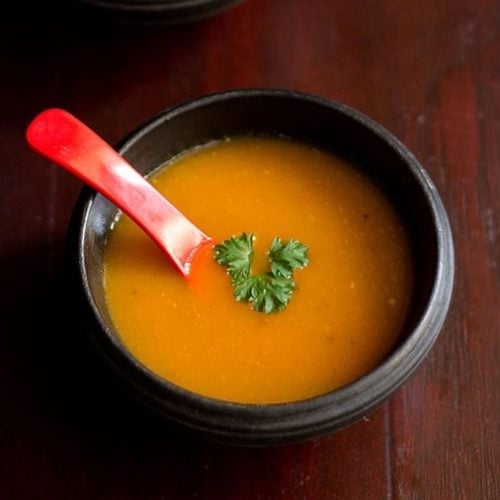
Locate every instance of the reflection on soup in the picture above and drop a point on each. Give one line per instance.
(347, 309)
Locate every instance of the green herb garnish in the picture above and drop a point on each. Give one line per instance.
(267, 292)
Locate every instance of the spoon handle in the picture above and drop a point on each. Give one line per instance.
(65, 140)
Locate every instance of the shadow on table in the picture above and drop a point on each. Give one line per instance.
(111, 74)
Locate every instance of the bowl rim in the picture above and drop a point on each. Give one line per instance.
(161, 6)
(325, 412)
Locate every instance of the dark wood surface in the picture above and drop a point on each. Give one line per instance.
(429, 71)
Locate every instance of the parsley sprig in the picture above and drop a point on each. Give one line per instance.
(267, 292)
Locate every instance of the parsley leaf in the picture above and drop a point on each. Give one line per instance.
(236, 255)
(267, 292)
(286, 257)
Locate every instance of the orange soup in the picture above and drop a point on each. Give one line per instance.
(349, 304)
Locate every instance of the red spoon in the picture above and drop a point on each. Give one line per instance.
(65, 140)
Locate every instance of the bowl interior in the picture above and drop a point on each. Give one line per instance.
(332, 128)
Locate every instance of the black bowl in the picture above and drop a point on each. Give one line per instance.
(333, 127)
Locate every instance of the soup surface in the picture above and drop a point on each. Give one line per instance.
(346, 311)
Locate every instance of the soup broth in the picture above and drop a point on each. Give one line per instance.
(349, 304)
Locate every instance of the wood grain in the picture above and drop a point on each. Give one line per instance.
(429, 71)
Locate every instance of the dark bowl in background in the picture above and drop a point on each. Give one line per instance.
(333, 127)
(155, 11)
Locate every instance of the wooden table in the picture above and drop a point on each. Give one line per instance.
(429, 71)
